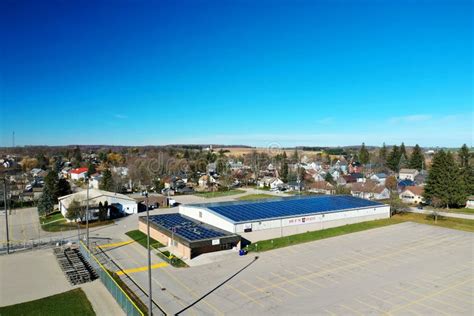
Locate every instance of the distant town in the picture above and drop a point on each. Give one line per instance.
(43, 176)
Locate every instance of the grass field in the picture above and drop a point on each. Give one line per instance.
(140, 238)
(253, 197)
(469, 211)
(454, 223)
(210, 195)
(63, 225)
(74, 302)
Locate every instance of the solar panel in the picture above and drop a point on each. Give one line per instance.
(253, 211)
(185, 227)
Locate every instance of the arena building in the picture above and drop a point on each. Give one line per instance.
(259, 220)
(201, 228)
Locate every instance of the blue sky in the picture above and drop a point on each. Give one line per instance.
(237, 72)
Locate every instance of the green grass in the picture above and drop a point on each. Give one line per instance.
(74, 302)
(453, 223)
(469, 211)
(252, 197)
(447, 222)
(63, 225)
(140, 238)
(210, 195)
(45, 220)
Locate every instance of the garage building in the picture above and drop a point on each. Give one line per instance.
(266, 219)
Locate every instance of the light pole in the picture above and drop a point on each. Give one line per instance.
(87, 213)
(6, 212)
(150, 310)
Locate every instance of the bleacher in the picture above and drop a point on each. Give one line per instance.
(75, 267)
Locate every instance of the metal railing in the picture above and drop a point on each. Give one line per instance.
(25, 245)
(125, 302)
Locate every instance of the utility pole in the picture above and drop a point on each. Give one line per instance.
(87, 213)
(6, 212)
(150, 306)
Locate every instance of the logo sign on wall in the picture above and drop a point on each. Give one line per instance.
(216, 242)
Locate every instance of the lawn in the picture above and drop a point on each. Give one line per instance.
(210, 195)
(469, 211)
(63, 225)
(140, 238)
(252, 197)
(454, 223)
(74, 302)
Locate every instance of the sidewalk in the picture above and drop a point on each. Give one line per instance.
(445, 214)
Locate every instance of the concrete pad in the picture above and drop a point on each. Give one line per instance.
(29, 276)
(101, 300)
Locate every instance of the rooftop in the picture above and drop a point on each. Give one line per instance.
(186, 228)
(238, 212)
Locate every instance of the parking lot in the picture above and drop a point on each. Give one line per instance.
(401, 269)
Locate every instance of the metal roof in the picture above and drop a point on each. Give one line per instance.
(241, 212)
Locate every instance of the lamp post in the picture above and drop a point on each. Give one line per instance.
(6, 212)
(87, 212)
(150, 310)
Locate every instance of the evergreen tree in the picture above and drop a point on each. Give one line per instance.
(62, 188)
(103, 211)
(91, 169)
(383, 155)
(463, 155)
(364, 156)
(445, 183)
(107, 182)
(48, 198)
(295, 157)
(393, 159)
(329, 178)
(417, 160)
(403, 151)
(284, 171)
(77, 156)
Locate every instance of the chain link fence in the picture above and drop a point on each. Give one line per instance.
(125, 302)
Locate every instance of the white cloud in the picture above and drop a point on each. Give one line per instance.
(120, 116)
(410, 118)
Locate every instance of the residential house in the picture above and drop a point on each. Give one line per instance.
(35, 172)
(405, 183)
(271, 182)
(78, 173)
(118, 203)
(322, 187)
(412, 195)
(95, 180)
(470, 202)
(407, 174)
(379, 178)
(369, 190)
(206, 181)
(355, 167)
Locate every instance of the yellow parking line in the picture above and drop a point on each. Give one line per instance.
(291, 281)
(431, 299)
(425, 297)
(370, 306)
(260, 290)
(117, 244)
(141, 269)
(156, 281)
(245, 295)
(277, 286)
(353, 311)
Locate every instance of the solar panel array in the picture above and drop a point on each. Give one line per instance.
(246, 212)
(184, 227)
